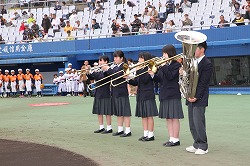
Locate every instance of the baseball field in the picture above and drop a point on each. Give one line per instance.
(70, 127)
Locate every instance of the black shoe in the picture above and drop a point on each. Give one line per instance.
(170, 144)
(164, 144)
(107, 131)
(142, 138)
(149, 139)
(99, 131)
(126, 135)
(118, 133)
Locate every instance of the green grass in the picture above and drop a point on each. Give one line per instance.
(71, 127)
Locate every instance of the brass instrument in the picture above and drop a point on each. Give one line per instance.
(127, 70)
(189, 78)
(92, 69)
(152, 64)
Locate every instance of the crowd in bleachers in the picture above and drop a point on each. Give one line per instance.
(114, 18)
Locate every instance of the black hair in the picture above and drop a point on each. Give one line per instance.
(145, 55)
(104, 58)
(172, 22)
(130, 60)
(94, 19)
(203, 45)
(55, 75)
(170, 50)
(119, 53)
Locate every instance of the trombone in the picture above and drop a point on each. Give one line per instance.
(92, 69)
(125, 67)
(152, 64)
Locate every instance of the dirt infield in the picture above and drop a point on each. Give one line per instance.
(30, 154)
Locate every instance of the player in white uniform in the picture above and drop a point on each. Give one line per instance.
(61, 84)
(75, 83)
(69, 80)
(6, 79)
(21, 85)
(13, 81)
(28, 82)
(1, 83)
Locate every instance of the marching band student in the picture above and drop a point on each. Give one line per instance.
(13, 80)
(119, 96)
(6, 79)
(28, 82)
(102, 101)
(1, 83)
(38, 81)
(170, 96)
(61, 84)
(145, 106)
(21, 85)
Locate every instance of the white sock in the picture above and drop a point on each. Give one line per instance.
(101, 127)
(145, 133)
(127, 130)
(109, 127)
(120, 129)
(175, 140)
(171, 139)
(150, 134)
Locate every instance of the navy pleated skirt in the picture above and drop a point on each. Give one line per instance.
(102, 106)
(171, 109)
(146, 108)
(121, 106)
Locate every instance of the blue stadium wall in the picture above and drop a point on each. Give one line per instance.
(226, 42)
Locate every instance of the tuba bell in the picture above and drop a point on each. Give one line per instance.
(189, 78)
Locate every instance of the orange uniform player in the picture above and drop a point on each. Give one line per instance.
(38, 81)
(6, 79)
(28, 82)
(1, 83)
(13, 80)
(21, 85)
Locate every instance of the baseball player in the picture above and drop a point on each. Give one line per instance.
(38, 81)
(6, 79)
(21, 85)
(13, 80)
(61, 84)
(28, 82)
(1, 84)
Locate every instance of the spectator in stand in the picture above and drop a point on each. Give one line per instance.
(153, 12)
(178, 8)
(186, 4)
(169, 26)
(92, 6)
(237, 9)
(247, 14)
(27, 33)
(143, 30)
(62, 23)
(99, 8)
(149, 5)
(25, 15)
(120, 15)
(3, 11)
(35, 27)
(78, 26)
(117, 2)
(159, 26)
(69, 37)
(86, 28)
(3, 20)
(124, 28)
(55, 23)
(114, 26)
(238, 20)
(16, 16)
(73, 16)
(223, 23)
(2, 40)
(68, 27)
(244, 6)
(64, 6)
(57, 6)
(169, 7)
(31, 18)
(22, 27)
(232, 3)
(136, 24)
(151, 23)
(46, 24)
(187, 21)
(95, 25)
(146, 12)
(130, 4)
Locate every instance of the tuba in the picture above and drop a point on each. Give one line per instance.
(189, 78)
